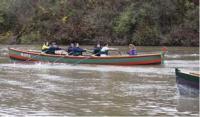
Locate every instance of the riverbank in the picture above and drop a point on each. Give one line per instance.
(118, 22)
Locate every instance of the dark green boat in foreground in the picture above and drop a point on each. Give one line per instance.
(187, 82)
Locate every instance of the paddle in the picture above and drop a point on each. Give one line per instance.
(64, 56)
(82, 60)
(37, 56)
(85, 58)
(92, 56)
(58, 59)
(116, 49)
(61, 57)
(69, 54)
(119, 52)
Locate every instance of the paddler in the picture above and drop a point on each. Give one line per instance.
(105, 49)
(77, 51)
(70, 49)
(132, 50)
(45, 46)
(53, 48)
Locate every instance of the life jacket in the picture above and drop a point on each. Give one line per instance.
(45, 47)
(97, 51)
(78, 51)
(132, 52)
(70, 50)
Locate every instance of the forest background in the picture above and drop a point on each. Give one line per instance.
(118, 22)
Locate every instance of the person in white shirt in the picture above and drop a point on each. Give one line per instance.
(105, 49)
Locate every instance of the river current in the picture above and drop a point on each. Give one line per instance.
(100, 90)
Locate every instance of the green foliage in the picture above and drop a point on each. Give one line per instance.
(146, 35)
(4, 38)
(30, 38)
(125, 21)
(142, 22)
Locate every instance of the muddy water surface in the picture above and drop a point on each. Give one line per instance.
(64, 89)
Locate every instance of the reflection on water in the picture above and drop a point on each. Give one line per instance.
(187, 91)
(64, 89)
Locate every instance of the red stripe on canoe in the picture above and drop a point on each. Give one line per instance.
(21, 57)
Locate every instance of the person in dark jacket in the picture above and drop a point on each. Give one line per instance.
(97, 50)
(70, 49)
(53, 47)
(77, 51)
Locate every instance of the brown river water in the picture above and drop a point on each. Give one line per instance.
(86, 90)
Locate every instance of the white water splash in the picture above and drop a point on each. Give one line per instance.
(166, 69)
(181, 55)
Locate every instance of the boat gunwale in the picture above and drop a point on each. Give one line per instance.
(186, 73)
(83, 57)
(158, 61)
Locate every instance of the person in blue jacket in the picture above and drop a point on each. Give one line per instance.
(77, 51)
(132, 50)
(53, 47)
(70, 49)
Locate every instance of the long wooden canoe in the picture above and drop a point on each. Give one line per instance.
(145, 59)
(187, 78)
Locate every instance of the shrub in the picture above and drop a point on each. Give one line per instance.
(30, 38)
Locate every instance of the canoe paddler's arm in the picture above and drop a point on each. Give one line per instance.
(115, 49)
(87, 50)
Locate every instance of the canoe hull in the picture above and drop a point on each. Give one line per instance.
(189, 80)
(28, 56)
(187, 84)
